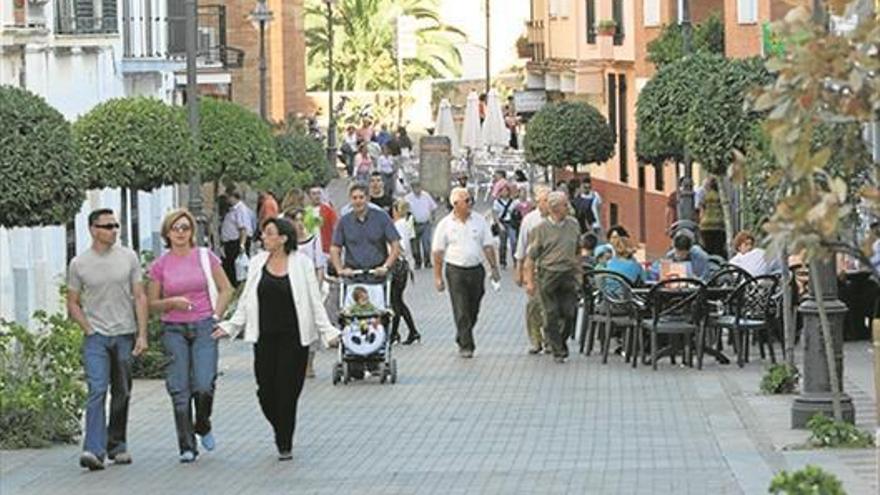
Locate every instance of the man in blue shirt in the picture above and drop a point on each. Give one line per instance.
(368, 236)
(684, 250)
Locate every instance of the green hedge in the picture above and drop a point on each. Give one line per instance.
(42, 182)
(41, 382)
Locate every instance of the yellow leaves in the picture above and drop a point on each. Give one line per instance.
(838, 7)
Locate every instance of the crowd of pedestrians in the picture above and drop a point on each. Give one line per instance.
(299, 251)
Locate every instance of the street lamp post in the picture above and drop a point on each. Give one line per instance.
(488, 52)
(331, 116)
(261, 16)
(192, 106)
(686, 209)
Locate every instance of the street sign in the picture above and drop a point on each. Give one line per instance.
(435, 154)
(405, 39)
(529, 101)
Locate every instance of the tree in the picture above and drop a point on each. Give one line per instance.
(718, 122)
(364, 37)
(134, 143)
(42, 182)
(822, 79)
(235, 145)
(708, 37)
(665, 103)
(568, 133)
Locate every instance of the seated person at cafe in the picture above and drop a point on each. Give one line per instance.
(685, 250)
(588, 244)
(624, 261)
(603, 254)
(748, 257)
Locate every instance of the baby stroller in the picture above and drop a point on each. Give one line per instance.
(365, 347)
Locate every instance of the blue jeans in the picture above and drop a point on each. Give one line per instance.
(107, 363)
(190, 376)
(422, 240)
(506, 237)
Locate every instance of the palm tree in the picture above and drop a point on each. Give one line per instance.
(363, 51)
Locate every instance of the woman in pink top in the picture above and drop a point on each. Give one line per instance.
(189, 287)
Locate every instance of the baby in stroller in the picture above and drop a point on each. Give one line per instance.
(365, 349)
(365, 329)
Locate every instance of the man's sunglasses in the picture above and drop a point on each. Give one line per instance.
(106, 226)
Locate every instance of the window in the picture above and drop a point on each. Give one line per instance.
(559, 8)
(651, 11)
(612, 104)
(613, 214)
(659, 179)
(591, 21)
(747, 11)
(85, 16)
(617, 15)
(621, 126)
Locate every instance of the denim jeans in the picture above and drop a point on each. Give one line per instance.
(190, 376)
(421, 244)
(107, 363)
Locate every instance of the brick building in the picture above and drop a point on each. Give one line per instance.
(285, 54)
(744, 21)
(572, 60)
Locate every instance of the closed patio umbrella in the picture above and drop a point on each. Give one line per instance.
(495, 132)
(471, 135)
(445, 126)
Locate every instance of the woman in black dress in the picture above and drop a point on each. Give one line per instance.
(282, 313)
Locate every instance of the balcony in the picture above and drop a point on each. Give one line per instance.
(96, 17)
(154, 37)
(536, 39)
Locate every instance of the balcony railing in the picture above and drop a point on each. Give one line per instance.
(536, 39)
(86, 17)
(157, 29)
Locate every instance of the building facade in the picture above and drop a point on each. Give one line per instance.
(77, 54)
(285, 57)
(572, 59)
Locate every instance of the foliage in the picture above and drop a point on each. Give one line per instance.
(363, 46)
(781, 378)
(823, 79)
(664, 106)
(139, 143)
(827, 432)
(152, 363)
(235, 145)
(719, 123)
(568, 133)
(707, 37)
(42, 183)
(41, 386)
(811, 480)
(606, 25)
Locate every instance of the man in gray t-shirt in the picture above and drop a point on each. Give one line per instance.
(106, 298)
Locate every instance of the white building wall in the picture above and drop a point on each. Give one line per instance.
(73, 80)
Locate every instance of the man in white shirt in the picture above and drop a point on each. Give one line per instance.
(534, 312)
(462, 240)
(594, 202)
(235, 233)
(422, 207)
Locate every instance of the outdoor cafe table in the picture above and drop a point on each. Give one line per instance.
(712, 294)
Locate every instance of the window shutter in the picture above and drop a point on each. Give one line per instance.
(108, 16)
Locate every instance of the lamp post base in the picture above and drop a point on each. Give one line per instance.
(806, 406)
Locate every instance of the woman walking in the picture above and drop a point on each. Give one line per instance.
(309, 245)
(281, 312)
(190, 289)
(399, 274)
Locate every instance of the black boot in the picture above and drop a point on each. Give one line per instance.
(412, 337)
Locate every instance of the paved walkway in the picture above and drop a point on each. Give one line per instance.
(504, 422)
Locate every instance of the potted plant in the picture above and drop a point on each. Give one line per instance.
(523, 47)
(607, 27)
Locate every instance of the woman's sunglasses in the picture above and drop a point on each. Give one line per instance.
(181, 228)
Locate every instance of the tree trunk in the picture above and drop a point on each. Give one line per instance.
(726, 213)
(70, 235)
(829, 344)
(788, 316)
(135, 222)
(123, 215)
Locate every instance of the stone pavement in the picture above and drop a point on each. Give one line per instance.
(503, 422)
